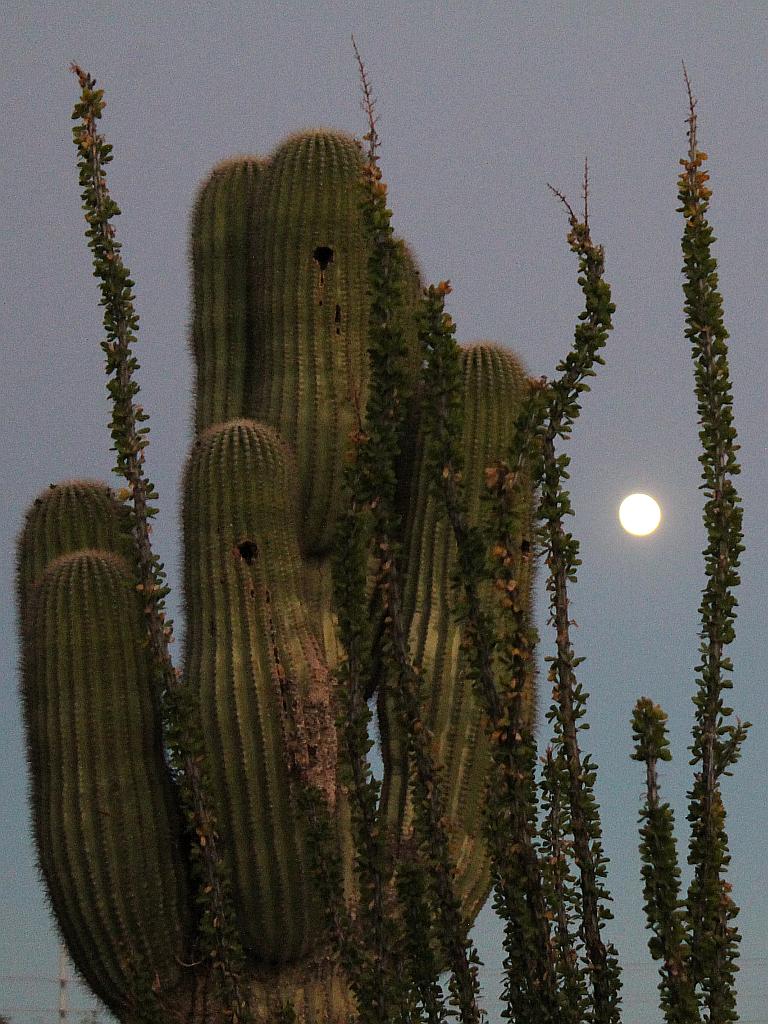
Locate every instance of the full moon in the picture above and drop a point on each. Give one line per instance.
(639, 514)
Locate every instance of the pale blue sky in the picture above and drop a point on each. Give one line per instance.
(479, 109)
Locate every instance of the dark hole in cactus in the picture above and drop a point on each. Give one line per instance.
(323, 255)
(248, 551)
(525, 547)
(337, 318)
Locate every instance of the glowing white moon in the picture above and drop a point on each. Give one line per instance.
(639, 514)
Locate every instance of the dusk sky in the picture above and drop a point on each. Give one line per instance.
(479, 109)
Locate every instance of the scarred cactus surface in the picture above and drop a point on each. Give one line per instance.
(279, 336)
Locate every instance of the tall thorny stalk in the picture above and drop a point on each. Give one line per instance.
(510, 818)
(531, 962)
(372, 482)
(661, 873)
(534, 960)
(562, 889)
(696, 940)
(561, 552)
(218, 937)
(716, 744)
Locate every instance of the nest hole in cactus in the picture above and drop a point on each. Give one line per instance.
(323, 255)
(248, 551)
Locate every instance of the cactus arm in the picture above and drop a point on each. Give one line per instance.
(68, 517)
(307, 281)
(310, 315)
(223, 313)
(306, 369)
(80, 704)
(264, 689)
(492, 390)
(107, 827)
(494, 387)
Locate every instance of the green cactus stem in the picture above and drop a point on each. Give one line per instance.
(561, 551)
(68, 517)
(105, 818)
(493, 385)
(264, 690)
(311, 314)
(222, 284)
(373, 483)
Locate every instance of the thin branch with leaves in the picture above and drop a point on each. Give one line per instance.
(181, 726)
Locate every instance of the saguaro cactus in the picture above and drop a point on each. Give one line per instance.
(279, 335)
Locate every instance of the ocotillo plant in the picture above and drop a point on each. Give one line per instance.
(695, 939)
(557, 903)
(220, 867)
